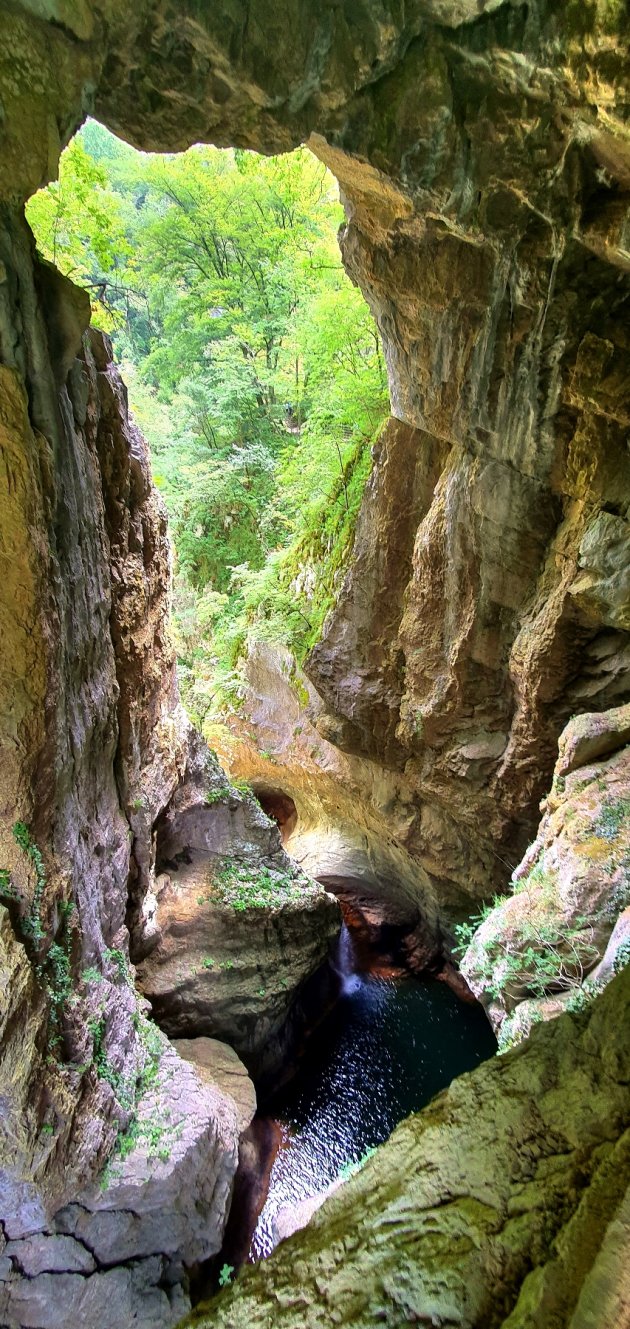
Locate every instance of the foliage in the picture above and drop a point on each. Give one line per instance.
(550, 957)
(32, 923)
(464, 932)
(226, 1275)
(104, 1069)
(614, 813)
(581, 997)
(254, 369)
(245, 888)
(219, 795)
(119, 959)
(78, 226)
(622, 957)
(51, 964)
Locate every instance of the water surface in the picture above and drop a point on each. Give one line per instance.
(389, 1045)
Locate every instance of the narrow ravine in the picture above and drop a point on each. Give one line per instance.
(392, 1041)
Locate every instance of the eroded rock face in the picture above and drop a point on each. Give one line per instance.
(67, 687)
(563, 931)
(235, 928)
(353, 818)
(502, 1204)
(483, 157)
(116, 1253)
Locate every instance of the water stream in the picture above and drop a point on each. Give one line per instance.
(389, 1045)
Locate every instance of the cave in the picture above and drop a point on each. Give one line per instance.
(474, 665)
(280, 807)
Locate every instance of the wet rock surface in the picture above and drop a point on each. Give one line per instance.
(503, 1203)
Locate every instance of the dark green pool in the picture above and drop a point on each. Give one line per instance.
(389, 1046)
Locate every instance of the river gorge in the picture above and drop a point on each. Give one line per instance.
(320, 1016)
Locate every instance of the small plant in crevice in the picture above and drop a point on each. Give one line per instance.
(51, 965)
(464, 932)
(92, 975)
(7, 889)
(582, 997)
(507, 1037)
(118, 957)
(226, 1275)
(104, 1069)
(219, 795)
(31, 921)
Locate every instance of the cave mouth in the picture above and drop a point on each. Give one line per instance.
(279, 807)
(253, 367)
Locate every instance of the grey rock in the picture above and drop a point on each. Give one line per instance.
(50, 1254)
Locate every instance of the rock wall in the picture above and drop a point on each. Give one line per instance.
(94, 745)
(484, 163)
(565, 930)
(483, 155)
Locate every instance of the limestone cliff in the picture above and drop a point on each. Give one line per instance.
(484, 157)
(503, 1205)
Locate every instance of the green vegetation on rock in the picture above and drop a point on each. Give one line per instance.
(254, 369)
(262, 888)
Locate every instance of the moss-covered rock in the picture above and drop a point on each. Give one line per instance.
(570, 891)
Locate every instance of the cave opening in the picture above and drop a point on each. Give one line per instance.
(254, 413)
(279, 806)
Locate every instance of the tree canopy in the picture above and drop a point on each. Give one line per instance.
(254, 369)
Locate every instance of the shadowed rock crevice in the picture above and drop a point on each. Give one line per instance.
(280, 807)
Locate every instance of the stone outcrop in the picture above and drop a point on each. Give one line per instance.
(563, 931)
(483, 156)
(233, 929)
(502, 1204)
(117, 1252)
(218, 1066)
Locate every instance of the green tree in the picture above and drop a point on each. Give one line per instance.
(77, 223)
(254, 368)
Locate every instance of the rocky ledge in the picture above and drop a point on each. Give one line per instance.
(237, 944)
(565, 929)
(120, 1252)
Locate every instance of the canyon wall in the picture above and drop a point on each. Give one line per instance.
(484, 159)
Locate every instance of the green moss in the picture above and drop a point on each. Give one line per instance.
(245, 888)
(614, 814)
